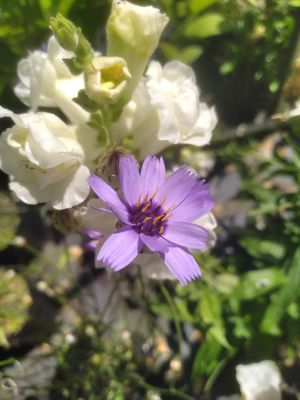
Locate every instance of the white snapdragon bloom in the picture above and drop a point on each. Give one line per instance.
(259, 381)
(106, 78)
(47, 160)
(133, 33)
(165, 109)
(45, 81)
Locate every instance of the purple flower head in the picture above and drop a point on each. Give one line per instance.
(157, 212)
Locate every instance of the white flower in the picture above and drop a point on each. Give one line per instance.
(106, 78)
(165, 109)
(47, 160)
(259, 381)
(45, 81)
(133, 33)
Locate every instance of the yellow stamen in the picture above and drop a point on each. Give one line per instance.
(166, 216)
(169, 209)
(161, 230)
(146, 219)
(154, 194)
(139, 200)
(163, 201)
(146, 207)
(157, 218)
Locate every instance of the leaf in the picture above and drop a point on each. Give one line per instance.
(9, 220)
(207, 357)
(288, 294)
(294, 3)
(196, 6)
(186, 55)
(256, 283)
(65, 6)
(211, 312)
(14, 302)
(257, 247)
(204, 26)
(9, 30)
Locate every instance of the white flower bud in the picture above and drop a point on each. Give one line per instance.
(133, 33)
(106, 79)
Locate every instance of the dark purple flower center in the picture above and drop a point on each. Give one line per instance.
(149, 217)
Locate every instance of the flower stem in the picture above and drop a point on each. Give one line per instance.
(174, 312)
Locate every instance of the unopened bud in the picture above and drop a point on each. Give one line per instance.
(106, 79)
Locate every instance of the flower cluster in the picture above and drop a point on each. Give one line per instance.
(104, 101)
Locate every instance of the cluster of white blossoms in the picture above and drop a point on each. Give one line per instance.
(99, 101)
(48, 158)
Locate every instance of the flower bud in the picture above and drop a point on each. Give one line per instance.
(133, 32)
(65, 32)
(106, 79)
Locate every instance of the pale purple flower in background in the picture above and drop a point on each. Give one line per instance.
(156, 212)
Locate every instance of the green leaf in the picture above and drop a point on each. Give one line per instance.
(196, 6)
(14, 302)
(10, 30)
(9, 220)
(207, 357)
(256, 283)
(294, 3)
(288, 294)
(187, 55)
(210, 309)
(258, 248)
(65, 6)
(203, 27)
(294, 122)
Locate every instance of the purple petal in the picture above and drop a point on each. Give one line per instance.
(176, 187)
(91, 245)
(155, 243)
(92, 233)
(120, 249)
(182, 264)
(129, 179)
(110, 197)
(187, 235)
(195, 205)
(153, 175)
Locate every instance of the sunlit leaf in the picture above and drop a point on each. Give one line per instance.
(289, 293)
(14, 302)
(207, 357)
(9, 220)
(256, 283)
(187, 55)
(204, 26)
(210, 309)
(197, 6)
(258, 247)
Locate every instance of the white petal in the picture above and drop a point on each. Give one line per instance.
(259, 381)
(153, 267)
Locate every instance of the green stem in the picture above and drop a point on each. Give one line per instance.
(174, 312)
(172, 392)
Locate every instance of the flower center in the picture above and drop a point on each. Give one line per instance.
(149, 217)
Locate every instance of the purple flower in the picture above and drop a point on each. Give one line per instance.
(157, 212)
